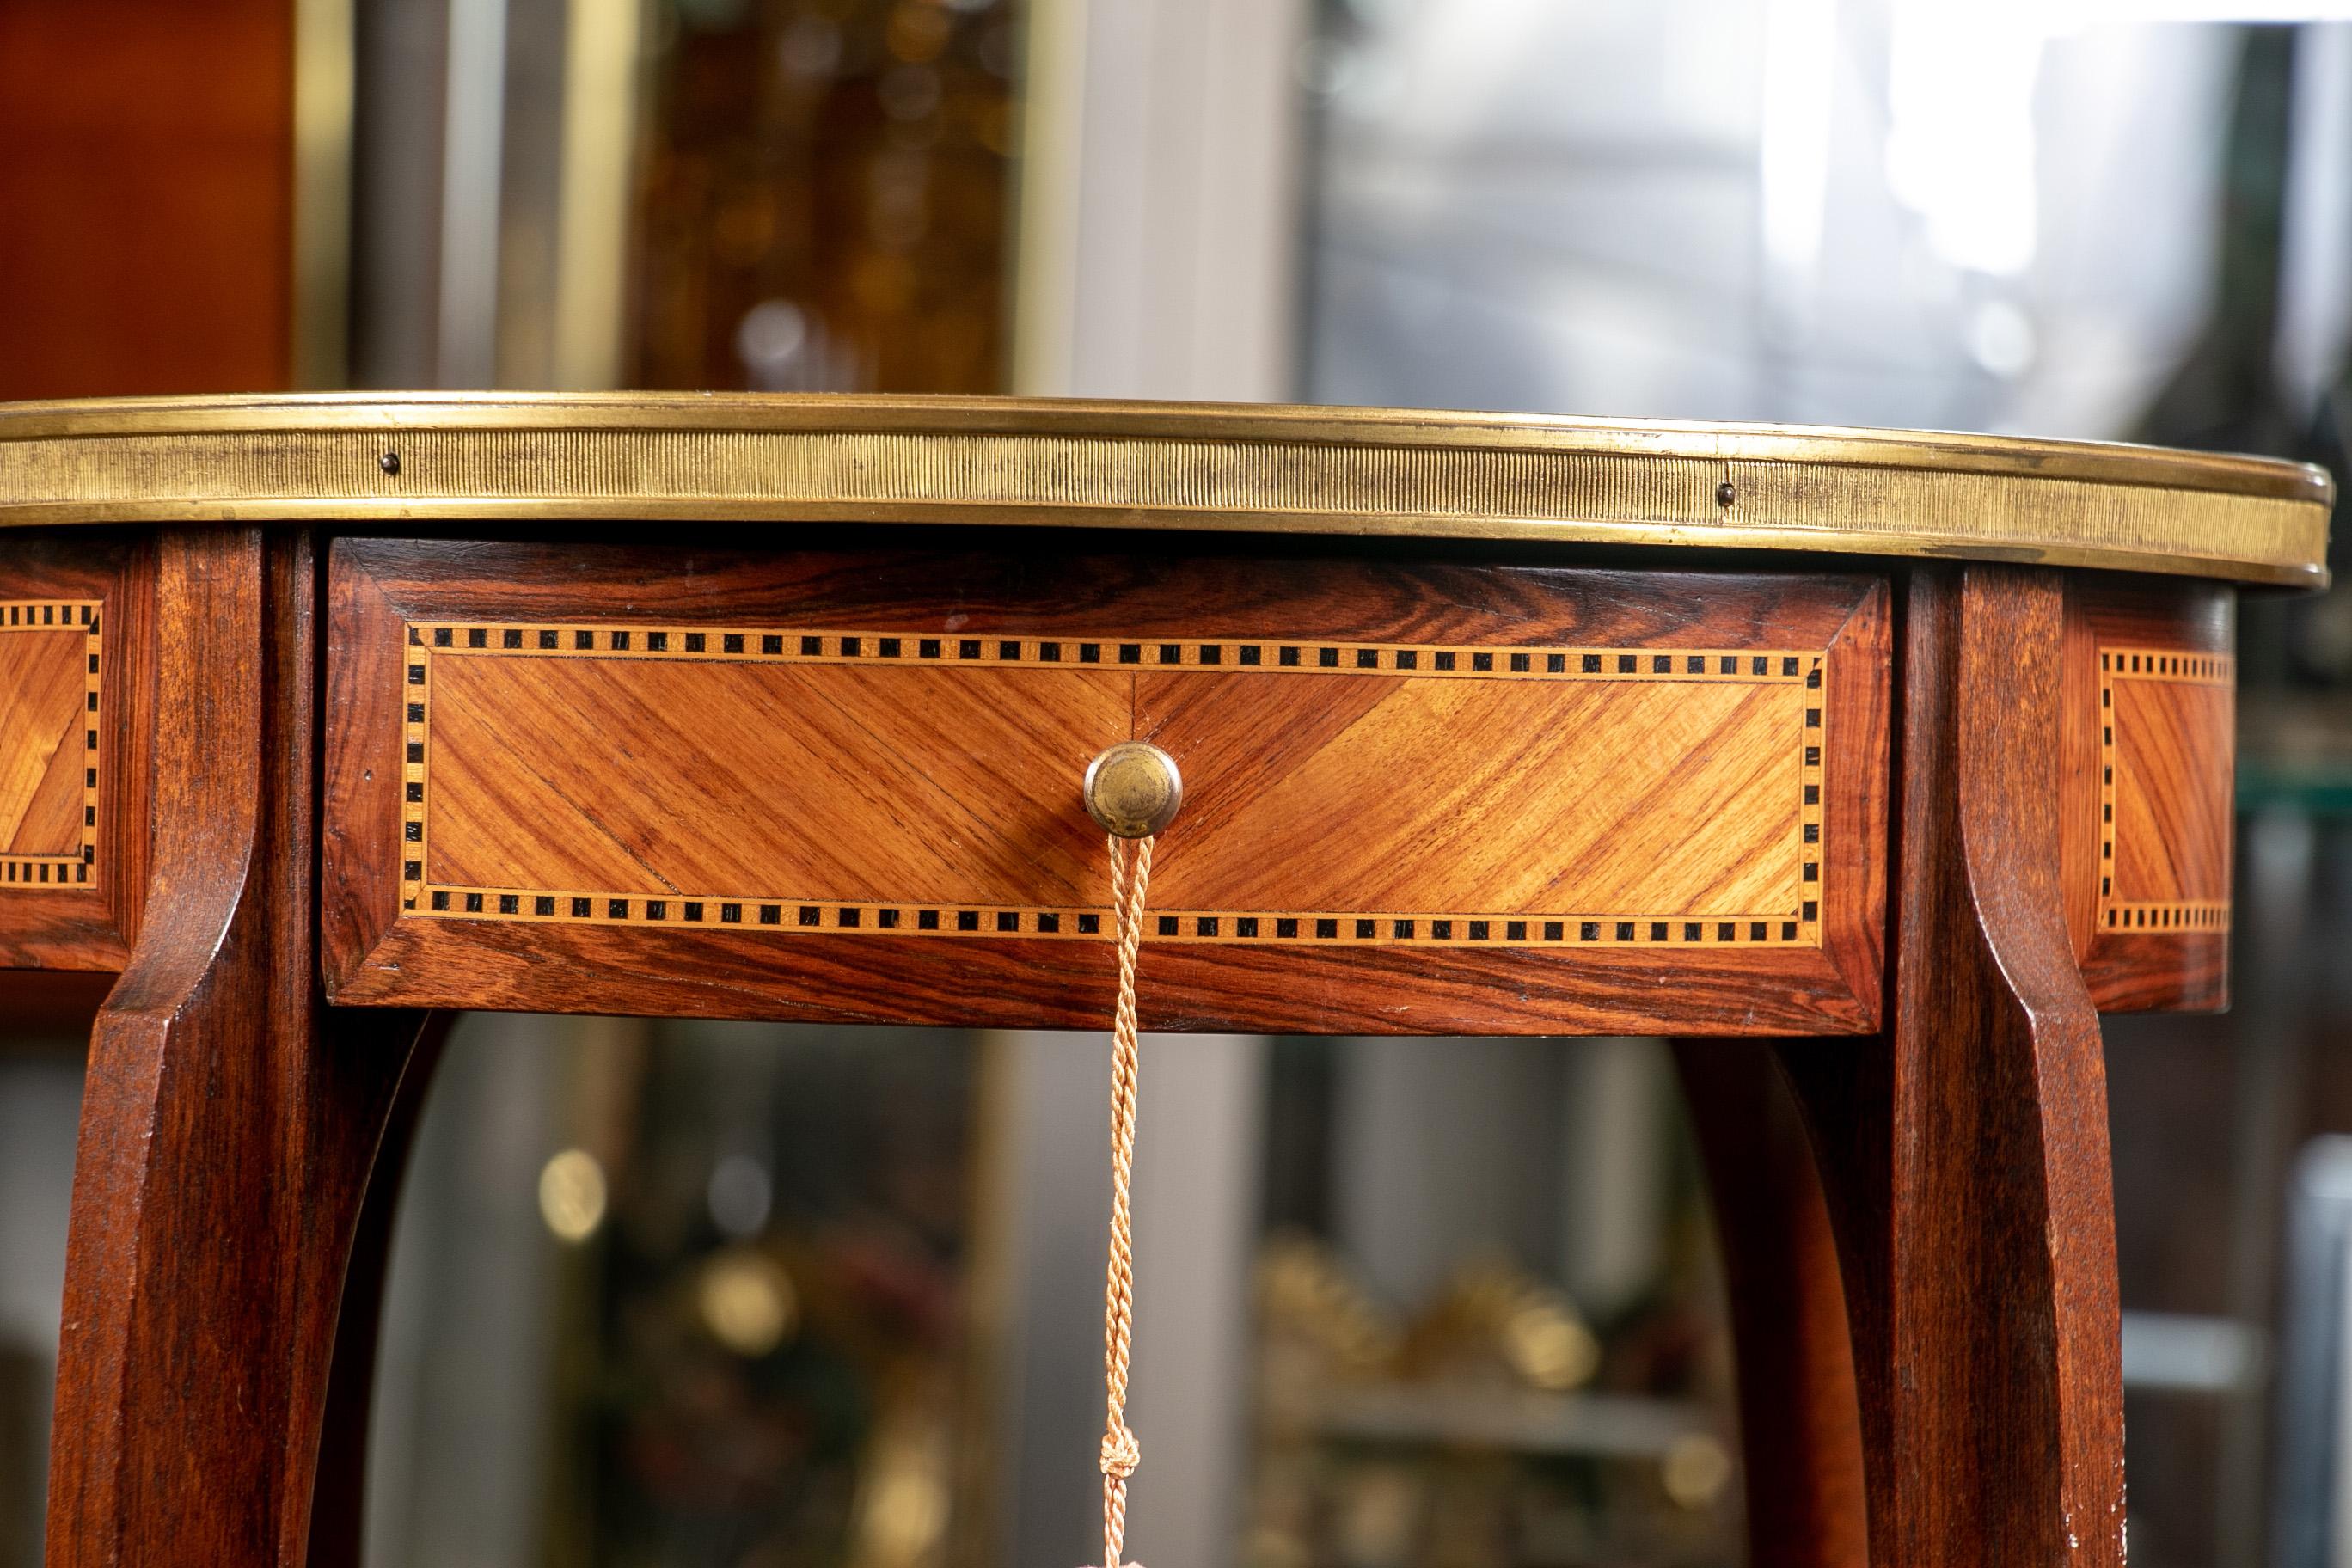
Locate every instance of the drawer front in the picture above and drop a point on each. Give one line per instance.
(1420, 796)
(2150, 689)
(72, 817)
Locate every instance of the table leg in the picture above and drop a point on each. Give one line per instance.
(1964, 1153)
(338, 1493)
(1799, 1426)
(230, 1121)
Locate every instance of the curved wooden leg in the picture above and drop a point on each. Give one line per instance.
(1799, 1426)
(229, 1121)
(1965, 1155)
(339, 1495)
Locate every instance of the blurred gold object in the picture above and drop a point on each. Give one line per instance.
(1695, 1470)
(902, 1503)
(746, 1301)
(572, 1194)
(721, 458)
(1495, 1318)
(1549, 1346)
(1306, 1296)
(1381, 1515)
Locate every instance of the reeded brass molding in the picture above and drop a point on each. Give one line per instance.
(749, 459)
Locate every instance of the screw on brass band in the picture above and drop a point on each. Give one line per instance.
(1004, 462)
(805, 913)
(79, 868)
(2146, 917)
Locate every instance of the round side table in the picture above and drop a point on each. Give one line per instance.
(1869, 767)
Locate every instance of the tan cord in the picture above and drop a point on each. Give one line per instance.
(1121, 1454)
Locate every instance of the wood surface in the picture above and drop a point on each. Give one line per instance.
(148, 244)
(1799, 1421)
(49, 660)
(47, 1008)
(211, 1384)
(1421, 797)
(75, 702)
(339, 1489)
(2150, 760)
(1965, 1159)
(229, 1122)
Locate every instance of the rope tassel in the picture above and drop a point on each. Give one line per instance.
(1131, 873)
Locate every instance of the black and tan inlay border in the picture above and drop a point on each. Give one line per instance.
(1236, 655)
(40, 873)
(428, 641)
(2165, 665)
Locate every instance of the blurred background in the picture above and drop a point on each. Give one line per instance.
(717, 1295)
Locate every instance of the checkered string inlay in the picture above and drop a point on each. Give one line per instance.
(2129, 664)
(79, 867)
(770, 912)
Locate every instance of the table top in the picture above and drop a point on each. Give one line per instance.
(756, 459)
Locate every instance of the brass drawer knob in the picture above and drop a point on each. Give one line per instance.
(1133, 789)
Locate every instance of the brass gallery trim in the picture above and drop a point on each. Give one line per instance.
(78, 869)
(1001, 462)
(422, 896)
(2140, 917)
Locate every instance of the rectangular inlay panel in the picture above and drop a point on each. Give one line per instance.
(1424, 793)
(50, 658)
(2166, 720)
(793, 782)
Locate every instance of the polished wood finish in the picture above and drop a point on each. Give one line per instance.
(2149, 754)
(44, 1006)
(48, 742)
(2008, 782)
(227, 1126)
(1965, 1160)
(148, 245)
(1801, 1424)
(339, 1489)
(75, 704)
(1407, 783)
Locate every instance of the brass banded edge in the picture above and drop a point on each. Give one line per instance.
(1295, 424)
(2302, 570)
(2121, 509)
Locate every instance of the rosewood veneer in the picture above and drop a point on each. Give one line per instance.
(1870, 767)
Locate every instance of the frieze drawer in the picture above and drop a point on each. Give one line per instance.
(1546, 799)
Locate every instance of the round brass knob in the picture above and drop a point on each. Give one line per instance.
(1133, 789)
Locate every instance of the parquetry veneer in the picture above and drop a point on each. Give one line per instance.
(1889, 759)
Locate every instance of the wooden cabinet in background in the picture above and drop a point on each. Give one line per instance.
(147, 171)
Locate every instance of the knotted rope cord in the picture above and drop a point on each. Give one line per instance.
(1130, 871)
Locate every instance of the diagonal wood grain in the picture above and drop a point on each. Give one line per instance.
(556, 772)
(676, 777)
(1430, 794)
(52, 823)
(500, 918)
(42, 686)
(2172, 791)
